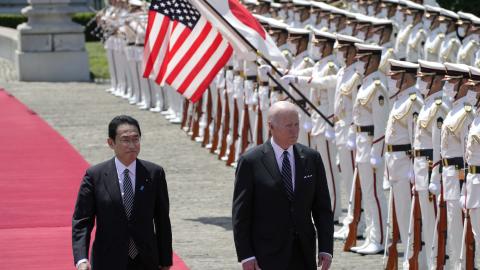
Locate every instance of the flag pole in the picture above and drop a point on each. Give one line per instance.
(307, 101)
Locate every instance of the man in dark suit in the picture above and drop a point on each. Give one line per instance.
(128, 197)
(280, 187)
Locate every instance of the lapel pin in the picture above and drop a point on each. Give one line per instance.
(146, 180)
(141, 188)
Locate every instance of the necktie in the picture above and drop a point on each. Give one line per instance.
(128, 203)
(287, 176)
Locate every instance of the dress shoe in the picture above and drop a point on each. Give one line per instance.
(371, 248)
(341, 234)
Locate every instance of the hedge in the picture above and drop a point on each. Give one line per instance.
(12, 20)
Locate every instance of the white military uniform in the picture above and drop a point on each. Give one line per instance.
(449, 48)
(432, 45)
(369, 112)
(454, 132)
(472, 188)
(466, 53)
(398, 163)
(415, 43)
(427, 162)
(348, 81)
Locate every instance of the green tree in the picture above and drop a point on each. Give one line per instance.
(470, 6)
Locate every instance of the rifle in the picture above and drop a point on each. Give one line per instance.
(196, 115)
(469, 243)
(231, 153)
(442, 232)
(417, 233)
(206, 134)
(245, 129)
(226, 128)
(218, 123)
(392, 262)
(184, 114)
(259, 124)
(356, 198)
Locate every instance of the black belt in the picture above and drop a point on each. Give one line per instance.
(455, 161)
(130, 43)
(276, 89)
(428, 153)
(230, 67)
(264, 83)
(368, 129)
(473, 169)
(251, 78)
(399, 147)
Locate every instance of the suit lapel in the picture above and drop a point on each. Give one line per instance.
(140, 186)
(270, 162)
(112, 185)
(299, 171)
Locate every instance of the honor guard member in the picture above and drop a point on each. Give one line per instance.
(451, 44)
(468, 28)
(321, 80)
(406, 103)
(363, 23)
(472, 188)
(418, 35)
(320, 15)
(298, 40)
(405, 28)
(301, 13)
(438, 27)
(369, 116)
(426, 153)
(350, 24)
(276, 11)
(263, 8)
(386, 9)
(348, 81)
(337, 19)
(454, 132)
(105, 21)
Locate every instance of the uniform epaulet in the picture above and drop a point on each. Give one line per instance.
(371, 91)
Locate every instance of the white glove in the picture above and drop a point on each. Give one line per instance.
(84, 266)
(375, 161)
(386, 184)
(264, 70)
(330, 135)
(351, 145)
(287, 79)
(411, 177)
(434, 188)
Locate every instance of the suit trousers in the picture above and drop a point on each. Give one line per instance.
(136, 264)
(297, 261)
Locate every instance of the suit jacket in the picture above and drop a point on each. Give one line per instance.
(265, 222)
(149, 225)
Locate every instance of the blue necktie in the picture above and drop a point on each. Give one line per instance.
(287, 176)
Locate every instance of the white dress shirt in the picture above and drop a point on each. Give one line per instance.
(279, 157)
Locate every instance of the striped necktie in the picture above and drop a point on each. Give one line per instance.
(128, 198)
(287, 176)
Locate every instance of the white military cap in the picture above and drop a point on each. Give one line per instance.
(276, 5)
(402, 66)
(322, 6)
(293, 31)
(378, 21)
(474, 73)
(344, 39)
(449, 14)
(414, 6)
(136, 3)
(367, 49)
(432, 9)
(390, 1)
(323, 35)
(429, 67)
(364, 18)
(265, 1)
(468, 17)
(457, 70)
(301, 3)
(338, 11)
(261, 19)
(251, 2)
(274, 23)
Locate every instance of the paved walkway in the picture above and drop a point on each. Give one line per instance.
(200, 186)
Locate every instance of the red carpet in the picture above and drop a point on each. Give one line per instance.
(40, 177)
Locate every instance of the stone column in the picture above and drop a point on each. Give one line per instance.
(50, 46)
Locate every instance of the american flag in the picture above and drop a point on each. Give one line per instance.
(182, 48)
